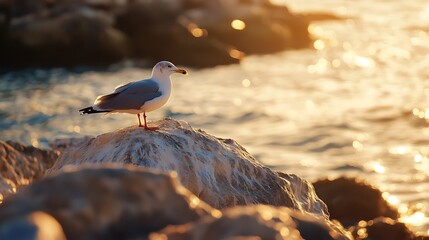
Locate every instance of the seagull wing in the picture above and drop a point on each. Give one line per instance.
(129, 96)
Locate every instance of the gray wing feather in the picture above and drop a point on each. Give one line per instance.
(129, 96)
(122, 87)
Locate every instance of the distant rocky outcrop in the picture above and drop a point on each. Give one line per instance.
(351, 200)
(127, 202)
(107, 203)
(218, 171)
(21, 165)
(190, 32)
(384, 229)
(361, 207)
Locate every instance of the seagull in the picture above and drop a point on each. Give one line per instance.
(140, 96)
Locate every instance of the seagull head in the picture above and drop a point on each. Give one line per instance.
(165, 69)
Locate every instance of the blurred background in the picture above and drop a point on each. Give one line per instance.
(316, 88)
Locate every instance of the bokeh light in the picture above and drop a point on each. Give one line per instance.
(238, 24)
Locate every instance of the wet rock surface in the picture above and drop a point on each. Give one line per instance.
(21, 165)
(107, 203)
(351, 200)
(218, 171)
(255, 222)
(194, 33)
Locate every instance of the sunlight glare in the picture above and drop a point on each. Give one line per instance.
(194, 202)
(378, 168)
(416, 219)
(313, 29)
(421, 113)
(393, 200)
(237, 24)
(246, 83)
(362, 233)
(216, 213)
(319, 44)
(364, 62)
(267, 215)
(336, 63)
(362, 223)
(237, 54)
(196, 31)
(418, 158)
(399, 150)
(357, 145)
(402, 209)
(284, 231)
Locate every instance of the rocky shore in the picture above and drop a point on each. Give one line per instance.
(197, 33)
(177, 183)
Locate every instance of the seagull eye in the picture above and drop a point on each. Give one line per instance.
(169, 66)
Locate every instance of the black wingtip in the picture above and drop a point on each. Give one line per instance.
(90, 110)
(86, 110)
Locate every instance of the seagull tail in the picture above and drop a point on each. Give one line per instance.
(90, 110)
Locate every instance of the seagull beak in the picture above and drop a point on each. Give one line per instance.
(182, 71)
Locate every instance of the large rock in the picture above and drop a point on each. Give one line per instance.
(107, 203)
(351, 200)
(21, 165)
(219, 171)
(255, 222)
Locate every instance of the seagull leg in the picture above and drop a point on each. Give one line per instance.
(145, 124)
(140, 123)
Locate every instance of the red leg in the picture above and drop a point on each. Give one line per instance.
(140, 123)
(145, 124)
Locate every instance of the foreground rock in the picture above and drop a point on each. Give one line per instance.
(21, 165)
(258, 222)
(189, 32)
(218, 171)
(133, 202)
(351, 200)
(107, 203)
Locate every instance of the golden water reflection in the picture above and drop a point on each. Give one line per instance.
(400, 150)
